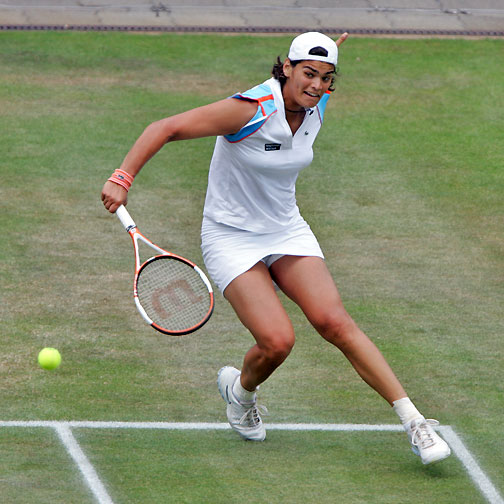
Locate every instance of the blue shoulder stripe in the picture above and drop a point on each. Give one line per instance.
(322, 105)
(265, 108)
(255, 93)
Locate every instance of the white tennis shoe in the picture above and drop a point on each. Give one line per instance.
(425, 442)
(245, 419)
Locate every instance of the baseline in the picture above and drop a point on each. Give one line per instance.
(64, 432)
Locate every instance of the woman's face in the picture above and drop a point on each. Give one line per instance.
(306, 82)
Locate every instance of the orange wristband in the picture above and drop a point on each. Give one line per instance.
(122, 178)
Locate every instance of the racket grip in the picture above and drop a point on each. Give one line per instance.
(125, 218)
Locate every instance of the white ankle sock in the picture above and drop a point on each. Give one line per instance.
(244, 396)
(405, 410)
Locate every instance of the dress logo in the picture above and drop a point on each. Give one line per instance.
(272, 146)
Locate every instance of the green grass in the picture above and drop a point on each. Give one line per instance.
(218, 467)
(405, 195)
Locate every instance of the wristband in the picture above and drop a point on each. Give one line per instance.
(122, 178)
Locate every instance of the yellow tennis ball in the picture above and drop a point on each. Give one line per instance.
(49, 358)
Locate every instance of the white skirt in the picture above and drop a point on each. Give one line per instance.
(228, 251)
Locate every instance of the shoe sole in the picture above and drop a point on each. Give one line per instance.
(434, 460)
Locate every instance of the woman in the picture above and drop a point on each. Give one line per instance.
(254, 239)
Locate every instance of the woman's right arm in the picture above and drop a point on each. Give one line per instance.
(220, 118)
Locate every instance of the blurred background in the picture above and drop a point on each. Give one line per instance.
(449, 17)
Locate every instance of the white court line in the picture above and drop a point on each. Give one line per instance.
(63, 429)
(477, 475)
(85, 467)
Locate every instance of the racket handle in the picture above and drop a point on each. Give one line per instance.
(125, 218)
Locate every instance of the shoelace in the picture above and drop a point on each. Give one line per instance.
(252, 417)
(421, 434)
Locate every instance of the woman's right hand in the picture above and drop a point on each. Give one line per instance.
(218, 118)
(113, 196)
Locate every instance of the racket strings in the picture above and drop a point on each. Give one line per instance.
(173, 294)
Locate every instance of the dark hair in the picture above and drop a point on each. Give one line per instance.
(318, 51)
(277, 72)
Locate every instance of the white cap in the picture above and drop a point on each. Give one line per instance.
(306, 42)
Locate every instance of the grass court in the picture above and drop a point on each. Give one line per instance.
(405, 196)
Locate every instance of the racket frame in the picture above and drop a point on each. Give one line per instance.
(136, 236)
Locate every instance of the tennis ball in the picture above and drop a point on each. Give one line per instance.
(49, 358)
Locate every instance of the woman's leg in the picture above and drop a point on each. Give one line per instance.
(253, 297)
(256, 303)
(307, 281)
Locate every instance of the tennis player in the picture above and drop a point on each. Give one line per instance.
(254, 239)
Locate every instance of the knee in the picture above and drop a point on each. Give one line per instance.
(338, 328)
(278, 347)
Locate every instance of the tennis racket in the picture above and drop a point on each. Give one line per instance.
(171, 293)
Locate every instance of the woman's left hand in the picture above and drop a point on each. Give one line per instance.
(342, 39)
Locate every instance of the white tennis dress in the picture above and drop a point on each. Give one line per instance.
(250, 211)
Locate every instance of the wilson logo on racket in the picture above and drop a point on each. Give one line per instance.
(171, 293)
(176, 300)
